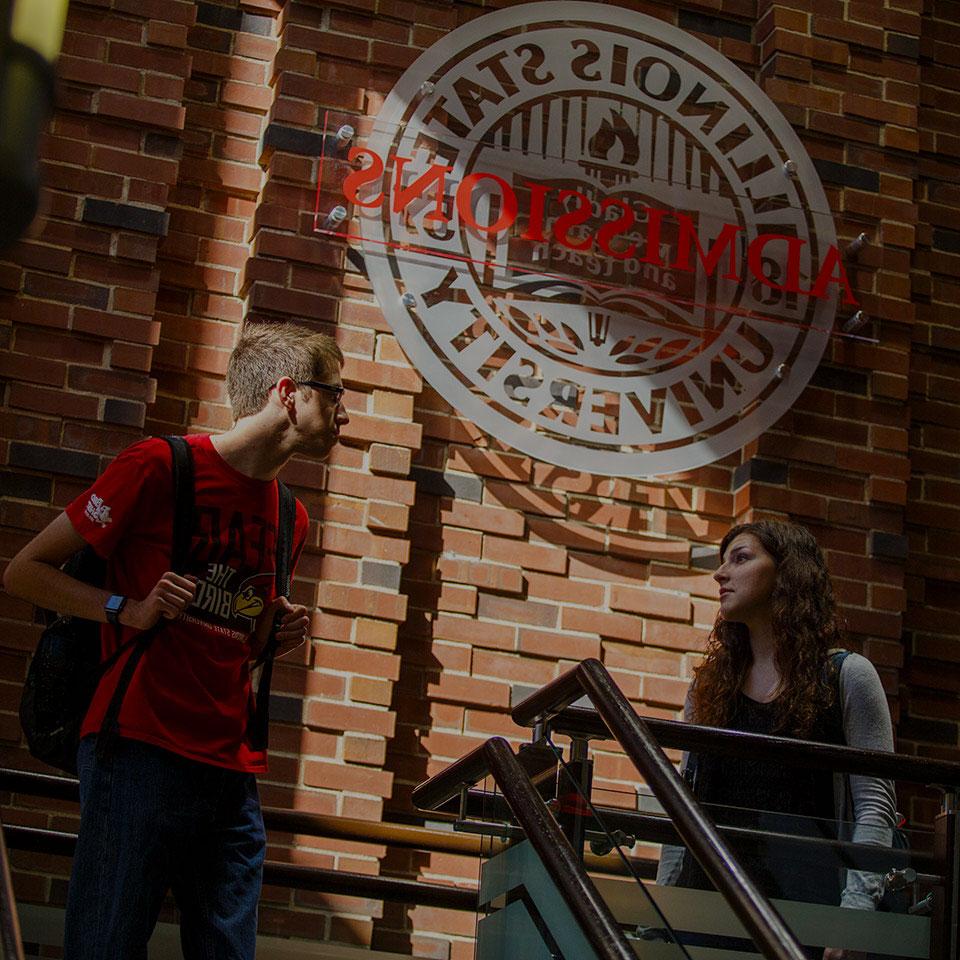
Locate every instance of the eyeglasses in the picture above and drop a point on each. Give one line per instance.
(335, 392)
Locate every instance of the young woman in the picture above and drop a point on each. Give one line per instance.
(772, 667)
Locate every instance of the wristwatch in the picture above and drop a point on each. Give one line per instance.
(112, 608)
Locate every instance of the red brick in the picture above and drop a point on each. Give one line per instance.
(525, 498)
(21, 367)
(460, 513)
(387, 516)
(469, 690)
(827, 51)
(88, 182)
(303, 38)
(612, 569)
(96, 380)
(390, 460)
(236, 122)
(49, 343)
(674, 636)
(161, 87)
(485, 576)
(476, 632)
(513, 668)
(375, 603)
(58, 402)
(563, 589)
(882, 110)
(783, 92)
(135, 165)
(378, 488)
(559, 646)
(98, 74)
(364, 750)
(296, 304)
(131, 356)
(247, 95)
(650, 603)
(617, 625)
(252, 46)
(166, 34)
(150, 112)
(371, 690)
(228, 176)
(849, 32)
(367, 373)
(664, 690)
(530, 556)
(335, 776)
(517, 611)
(490, 463)
(173, 11)
(83, 45)
(360, 543)
(452, 598)
(134, 247)
(136, 301)
(340, 717)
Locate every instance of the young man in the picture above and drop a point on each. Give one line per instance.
(173, 803)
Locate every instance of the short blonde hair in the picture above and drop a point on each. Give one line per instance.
(268, 351)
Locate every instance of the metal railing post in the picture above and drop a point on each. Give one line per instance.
(946, 905)
(576, 780)
(9, 921)
(556, 854)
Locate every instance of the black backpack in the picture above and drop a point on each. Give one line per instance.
(66, 669)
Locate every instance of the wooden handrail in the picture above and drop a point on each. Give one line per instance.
(290, 875)
(549, 707)
(275, 818)
(281, 820)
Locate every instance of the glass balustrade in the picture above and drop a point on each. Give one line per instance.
(523, 915)
(804, 864)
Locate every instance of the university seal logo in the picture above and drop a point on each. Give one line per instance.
(597, 239)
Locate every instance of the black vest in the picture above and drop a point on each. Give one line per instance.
(777, 798)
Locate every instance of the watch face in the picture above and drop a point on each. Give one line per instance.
(115, 604)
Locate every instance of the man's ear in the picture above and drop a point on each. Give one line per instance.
(286, 388)
(287, 393)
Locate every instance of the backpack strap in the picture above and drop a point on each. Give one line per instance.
(288, 515)
(836, 657)
(259, 725)
(183, 499)
(182, 519)
(831, 676)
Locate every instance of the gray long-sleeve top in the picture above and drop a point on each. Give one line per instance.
(868, 802)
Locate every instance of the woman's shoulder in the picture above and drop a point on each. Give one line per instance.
(858, 673)
(855, 663)
(866, 714)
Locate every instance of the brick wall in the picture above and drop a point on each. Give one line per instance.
(450, 575)
(931, 612)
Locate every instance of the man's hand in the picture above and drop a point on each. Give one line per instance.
(168, 599)
(293, 627)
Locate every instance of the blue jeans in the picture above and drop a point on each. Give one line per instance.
(152, 821)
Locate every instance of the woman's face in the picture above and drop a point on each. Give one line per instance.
(746, 576)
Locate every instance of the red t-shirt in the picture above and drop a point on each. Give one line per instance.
(191, 692)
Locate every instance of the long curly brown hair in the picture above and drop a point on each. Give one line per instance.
(805, 627)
